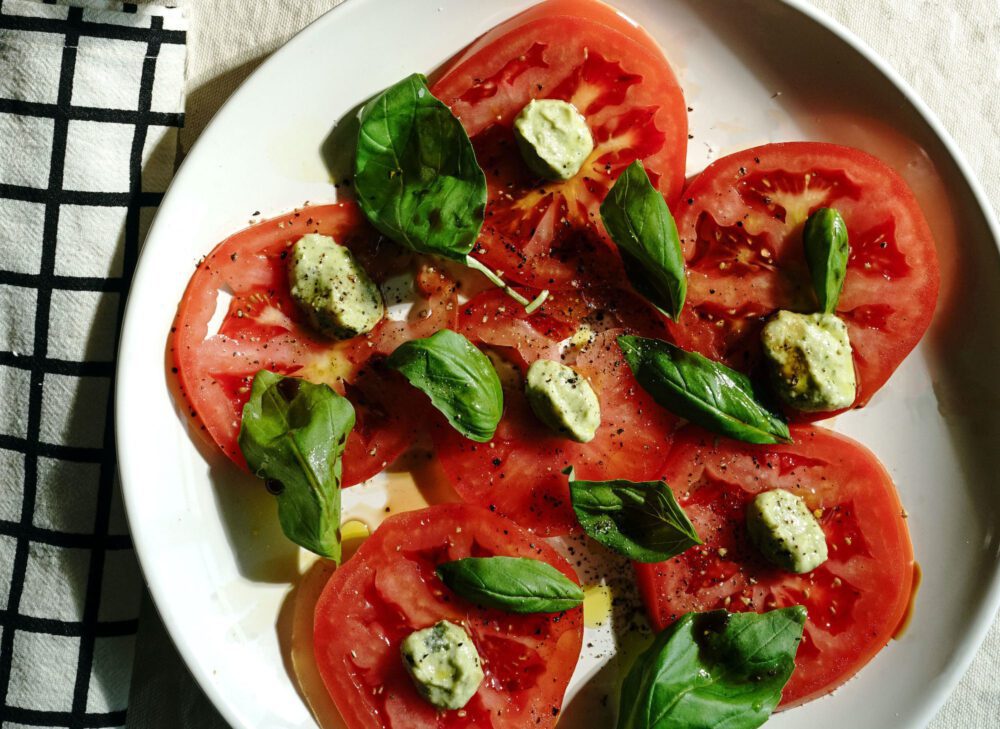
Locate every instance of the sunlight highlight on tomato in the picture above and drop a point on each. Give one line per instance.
(262, 328)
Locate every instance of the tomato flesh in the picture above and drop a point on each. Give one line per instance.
(262, 328)
(541, 232)
(388, 589)
(855, 600)
(519, 472)
(741, 222)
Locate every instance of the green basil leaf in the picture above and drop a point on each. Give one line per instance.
(639, 519)
(825, 240)
(639, 222)
(293, 434)
(415, 172)
(515, 584)
(459, 379)
(712, 670)
(707, 393)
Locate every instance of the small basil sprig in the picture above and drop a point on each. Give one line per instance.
(639, 222)
(458, 378)
(639, 519)
(514, 584)
(825, 240)
(713, 669)
(707, 393)
(417, 178)
(293, 434)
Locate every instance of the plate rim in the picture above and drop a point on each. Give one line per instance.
(989, 610)
(985, 614)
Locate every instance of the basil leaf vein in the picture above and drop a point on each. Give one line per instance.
(824, 238)
(711, 670)
(638, 519)
(458, 378)
(515, 584)
(415, 172)
(293, 434)
(639, 222)
(707, 393)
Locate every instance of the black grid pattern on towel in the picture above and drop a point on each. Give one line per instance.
(96, 542)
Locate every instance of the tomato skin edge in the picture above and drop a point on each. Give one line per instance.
(347, 214)
(350, 688)
(713, 191)
(645, 50)
(592, 10)
(263, 329)
(902, 576)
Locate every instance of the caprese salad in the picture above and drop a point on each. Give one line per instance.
(524, 281)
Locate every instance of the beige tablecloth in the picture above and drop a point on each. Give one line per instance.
(949, 52)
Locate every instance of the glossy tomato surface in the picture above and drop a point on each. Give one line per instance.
(855, 600)
(389, 589)
(237, 317)
(545, 233)
(740, 224)
(519, 473)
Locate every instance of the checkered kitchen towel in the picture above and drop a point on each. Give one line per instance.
(90, 103)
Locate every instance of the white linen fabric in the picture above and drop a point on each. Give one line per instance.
(91, 98)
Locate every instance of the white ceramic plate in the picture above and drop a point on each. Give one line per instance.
(208, 541)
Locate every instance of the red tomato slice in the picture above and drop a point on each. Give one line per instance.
(540, 232)
(262, 327)
(740, 223)
(389, 589)
(519, 473)
(855, 600)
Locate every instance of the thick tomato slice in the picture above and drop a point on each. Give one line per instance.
(261, 327)
(519, 473)
(741, 224)
(388, 589)
(540, 232)
(855, 600)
